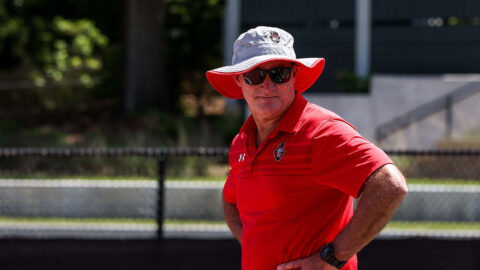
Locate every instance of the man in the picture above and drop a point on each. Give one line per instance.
(294, 166)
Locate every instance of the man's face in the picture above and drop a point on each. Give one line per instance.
(268, 99)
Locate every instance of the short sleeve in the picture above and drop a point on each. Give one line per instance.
(230, 188)
(343, 159)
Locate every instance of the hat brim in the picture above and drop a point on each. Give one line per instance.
(223, 79)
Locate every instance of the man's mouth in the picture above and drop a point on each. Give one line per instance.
(267, 97)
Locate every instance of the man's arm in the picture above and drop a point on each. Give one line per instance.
(381, 194)
(232, 218)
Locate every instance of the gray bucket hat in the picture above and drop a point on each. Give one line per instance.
(261, 45)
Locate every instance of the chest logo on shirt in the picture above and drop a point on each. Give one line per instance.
(279, 152)
(241, 157)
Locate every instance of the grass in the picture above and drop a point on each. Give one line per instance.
(434, 225)
(74, 177)
(392, 225)
(429, 181)
(414, 181)
(113, 177)
(193, 222)
(198, 178)
(56, 220)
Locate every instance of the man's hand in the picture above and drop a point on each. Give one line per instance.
(313, 262)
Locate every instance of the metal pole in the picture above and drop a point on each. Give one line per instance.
(162, 160)
(363, 25)
(231, 28)
(448, 117)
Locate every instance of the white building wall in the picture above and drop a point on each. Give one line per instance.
(394, 95)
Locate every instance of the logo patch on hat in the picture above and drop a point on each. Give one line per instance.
(274, 36)
(279, 152)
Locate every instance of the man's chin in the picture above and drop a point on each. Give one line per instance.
(274, 109)
(267, 99)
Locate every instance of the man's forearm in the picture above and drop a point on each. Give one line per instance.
(232, 218)
(382, 194)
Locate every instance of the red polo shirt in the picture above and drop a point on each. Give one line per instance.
(294, 192)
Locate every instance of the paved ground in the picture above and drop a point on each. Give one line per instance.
(173, 254)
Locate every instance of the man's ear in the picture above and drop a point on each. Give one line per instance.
(295, 70)
(238, 80)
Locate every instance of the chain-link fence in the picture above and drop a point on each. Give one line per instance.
(177, 193)
(112, 193)
(444, 194)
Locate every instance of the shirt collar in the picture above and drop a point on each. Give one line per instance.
(290, 122)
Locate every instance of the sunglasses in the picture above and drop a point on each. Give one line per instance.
(278, 75)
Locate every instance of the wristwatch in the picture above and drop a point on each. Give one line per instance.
(327, 254)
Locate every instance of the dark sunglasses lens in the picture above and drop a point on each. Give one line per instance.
(280, 75)
(256, 76)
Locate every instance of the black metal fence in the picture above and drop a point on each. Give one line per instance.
(162, 193)
(12, 171)
(439, 218)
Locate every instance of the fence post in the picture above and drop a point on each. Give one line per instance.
(448, 117)
(162, 160)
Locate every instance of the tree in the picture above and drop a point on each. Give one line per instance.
(193, 30)
(51, 50)
(144, 85)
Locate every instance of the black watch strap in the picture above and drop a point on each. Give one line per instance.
(328, 255)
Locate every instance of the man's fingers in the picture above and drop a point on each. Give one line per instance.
(291, 265)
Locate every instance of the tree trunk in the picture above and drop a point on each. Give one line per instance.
(144, 74)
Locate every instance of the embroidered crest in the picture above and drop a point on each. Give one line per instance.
(279, 152)
(274, 36)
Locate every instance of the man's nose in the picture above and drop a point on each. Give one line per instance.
(268, 83)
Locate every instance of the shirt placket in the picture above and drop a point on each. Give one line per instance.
(256, 151)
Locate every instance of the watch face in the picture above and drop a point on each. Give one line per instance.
(327, 254)
(325, 251)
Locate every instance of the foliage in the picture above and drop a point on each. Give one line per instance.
(193, 46)
(65, 45)
(193, 31)
(348, 81)
(54, 51)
